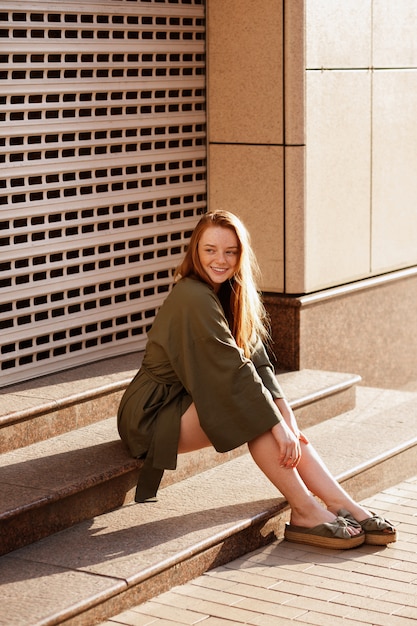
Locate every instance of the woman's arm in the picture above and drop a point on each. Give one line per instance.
(288, 415)
(287, 435)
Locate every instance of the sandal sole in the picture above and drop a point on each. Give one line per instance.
(334, 543)
(372, 537)
(380, 540)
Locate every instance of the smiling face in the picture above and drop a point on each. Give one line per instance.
(218, 251)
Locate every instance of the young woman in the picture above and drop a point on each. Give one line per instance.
(206, 380)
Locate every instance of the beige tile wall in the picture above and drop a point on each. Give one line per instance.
(338, 177)
(394, 154)
(295, 219)
(295, 136)
(394, 170)
(248, 180)
(394, 33)
(294, 72)
(311, 111)
(338, 33)
(360, 197)
(245, 118)
(338, 141)
(245, 95)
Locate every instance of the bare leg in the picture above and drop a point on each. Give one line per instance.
(319, 481)
(317, 477)
(305, 510)
(192, 436)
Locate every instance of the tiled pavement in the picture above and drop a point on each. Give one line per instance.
(286, 582)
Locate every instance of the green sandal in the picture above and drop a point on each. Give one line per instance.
(328, 535)
(378, 530)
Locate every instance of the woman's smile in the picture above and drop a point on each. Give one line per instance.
(218, 251)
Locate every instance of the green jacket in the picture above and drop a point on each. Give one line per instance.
(191, 356)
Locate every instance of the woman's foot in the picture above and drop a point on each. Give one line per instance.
(316, 526)
(358, 512)
(313, 515)
(378, 530)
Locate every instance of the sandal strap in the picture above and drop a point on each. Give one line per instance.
(376, 523)
(338, 528)
(349, 518)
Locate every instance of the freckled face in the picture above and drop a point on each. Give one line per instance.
(218, 251)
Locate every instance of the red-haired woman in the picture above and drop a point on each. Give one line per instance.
(206, 380)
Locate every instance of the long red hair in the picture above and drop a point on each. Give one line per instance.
(249, 319)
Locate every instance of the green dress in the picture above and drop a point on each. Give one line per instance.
(191, 356)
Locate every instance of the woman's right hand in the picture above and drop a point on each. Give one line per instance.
(288, 444)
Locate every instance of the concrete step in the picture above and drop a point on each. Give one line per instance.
(45, 407)
(48, 406)
(117, 560)
(53, 484)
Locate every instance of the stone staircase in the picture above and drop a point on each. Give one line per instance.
(77, 549)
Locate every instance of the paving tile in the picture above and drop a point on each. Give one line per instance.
(238, 574)
(156, 608)
(213, 582)
(259, 565)
(245, 616)
(131, 618)
(164, 622)
(388, 558)
(307, 590)
(319, 619)
(228, 598)
(238, 593)
(260, 577)
(379, 619)
(148, 621)
(360, 586)
(405, 489)
(407, 611)
(407, 568)
(272, 609)
(327, 608)
(408, 533)
(370, 572)
(370, 604)
(403, 598)
(405, 556)
(284, 583)
(385, 499)
(219, 621)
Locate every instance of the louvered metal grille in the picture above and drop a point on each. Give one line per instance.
(103, 148)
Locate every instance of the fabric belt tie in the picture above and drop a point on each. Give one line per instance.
(149, 480)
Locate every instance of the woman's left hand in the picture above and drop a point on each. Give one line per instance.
(288, 444)
(290, 421)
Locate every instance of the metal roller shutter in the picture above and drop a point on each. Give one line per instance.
(103, 148)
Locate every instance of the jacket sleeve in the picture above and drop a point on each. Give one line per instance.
(233, 403)
(266, 371)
